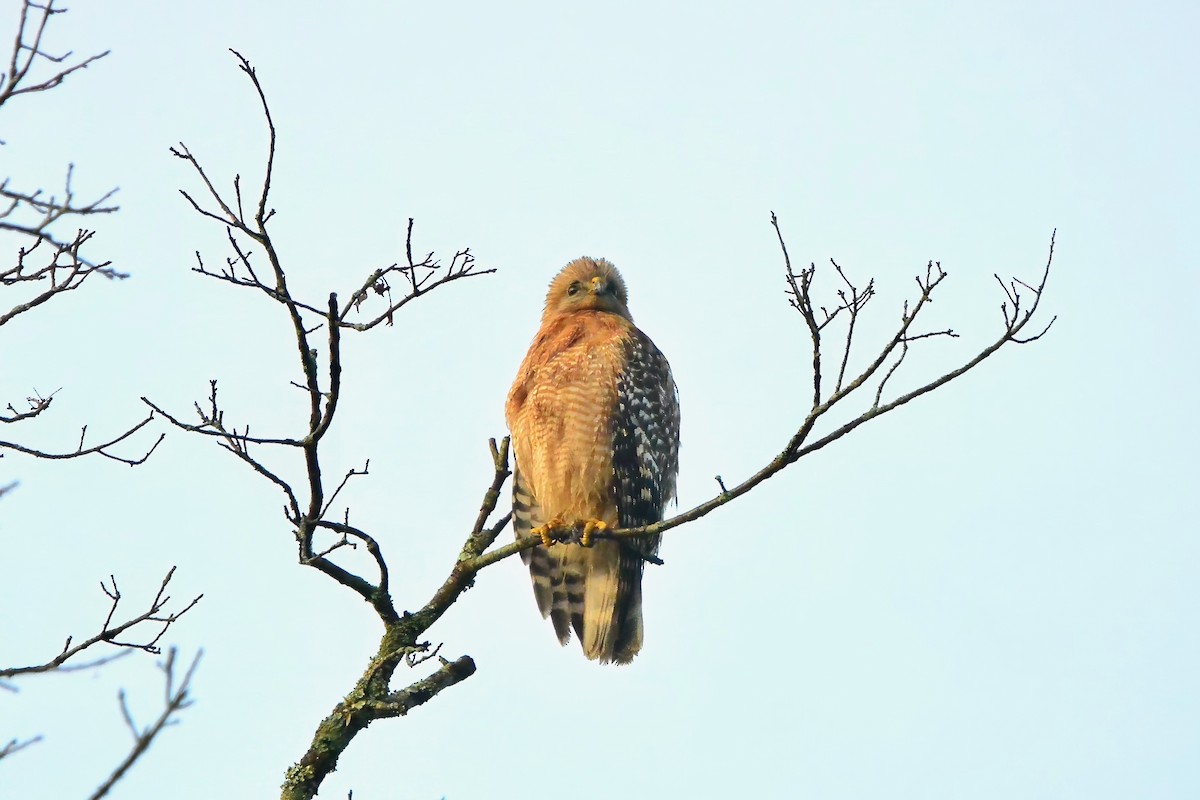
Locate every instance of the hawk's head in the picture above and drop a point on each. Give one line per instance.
(588, 284)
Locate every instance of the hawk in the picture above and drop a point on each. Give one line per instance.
(594, 416)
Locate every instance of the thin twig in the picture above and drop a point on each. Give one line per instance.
(17, 745)
(101, 449)
(176, 700)
(27, 52)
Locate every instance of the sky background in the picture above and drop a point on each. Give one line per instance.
(991, 593)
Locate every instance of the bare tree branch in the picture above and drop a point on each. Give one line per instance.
(37, 404)
(323, 390)
(308, 507)
(17, 745)
(32, 213)
(176, 698)
(155, 614)
(27, 52)
(64, 271)
(100, 449)
(422, 277)
(51, 266)
(42, 211)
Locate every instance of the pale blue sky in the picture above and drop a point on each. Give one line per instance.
(991, 593)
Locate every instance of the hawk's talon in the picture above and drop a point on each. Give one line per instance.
(589, 527)
(546, 532)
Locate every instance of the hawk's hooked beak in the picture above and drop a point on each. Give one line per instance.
(598, 286)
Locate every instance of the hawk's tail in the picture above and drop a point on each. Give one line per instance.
(549, 578)
(595, 591)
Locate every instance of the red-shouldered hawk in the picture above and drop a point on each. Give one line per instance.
(595, 429)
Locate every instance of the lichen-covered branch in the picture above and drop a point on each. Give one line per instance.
(359, 709)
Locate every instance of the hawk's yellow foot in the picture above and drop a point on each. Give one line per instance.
(589, 527)
(545, 532)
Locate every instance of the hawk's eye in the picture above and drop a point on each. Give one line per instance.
(573, 289)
